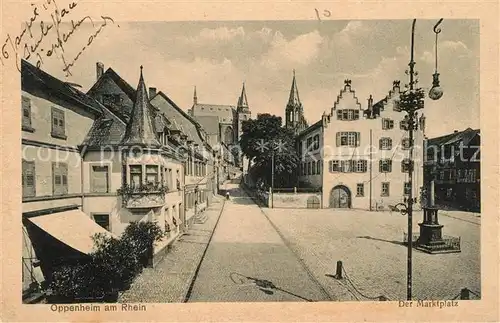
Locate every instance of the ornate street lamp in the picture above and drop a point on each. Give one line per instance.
(411, 101)
(436, 92)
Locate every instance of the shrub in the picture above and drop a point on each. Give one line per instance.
(142, 236)
(77, 282)
(110, 268)
(116, 261)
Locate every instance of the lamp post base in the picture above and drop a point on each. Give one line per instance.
(431, 239)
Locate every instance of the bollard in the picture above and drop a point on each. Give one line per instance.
(464, 293)
(338, 273)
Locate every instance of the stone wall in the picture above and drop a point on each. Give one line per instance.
(300, 200)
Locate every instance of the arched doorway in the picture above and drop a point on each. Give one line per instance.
(340, 197)
(313, 202)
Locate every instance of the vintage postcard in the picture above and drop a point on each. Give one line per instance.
(236, 161)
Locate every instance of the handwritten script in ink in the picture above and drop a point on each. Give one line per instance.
(49, 32)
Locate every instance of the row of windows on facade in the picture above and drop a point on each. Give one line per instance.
(148, 175)
(102, 219)
(360, 189)
(361, 166)
(352, 139)
(351, 166)
(351, 114)
(58, 128)
(99, 178)
(193, 199)
(460, 175)
(195, 168)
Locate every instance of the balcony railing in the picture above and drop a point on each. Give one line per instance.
(149, 195)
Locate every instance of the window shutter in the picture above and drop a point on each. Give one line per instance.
(391, 124)
(338, 139)
(358, 139)
(381, 143)
(389, 143)
(339, 114)
(380, 164)
(365, 165)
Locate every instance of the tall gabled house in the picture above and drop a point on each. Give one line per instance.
(56, 117)
(131, 172)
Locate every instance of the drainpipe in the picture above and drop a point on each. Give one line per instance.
(81, 177)
(371, 166)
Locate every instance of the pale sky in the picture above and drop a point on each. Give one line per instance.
(218, 56)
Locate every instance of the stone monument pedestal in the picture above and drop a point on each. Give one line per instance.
(431, 238)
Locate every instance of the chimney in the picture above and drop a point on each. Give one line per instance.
(99, 69)
(152, 92)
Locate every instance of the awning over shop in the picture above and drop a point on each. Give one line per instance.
(74, 228)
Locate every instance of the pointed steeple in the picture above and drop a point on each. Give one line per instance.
(242, 101)
(195, 97)
(294, 99)
(140, 129)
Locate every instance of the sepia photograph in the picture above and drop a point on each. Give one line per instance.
(264, 161)
(253, 161)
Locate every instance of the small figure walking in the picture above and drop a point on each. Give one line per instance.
(227, 195)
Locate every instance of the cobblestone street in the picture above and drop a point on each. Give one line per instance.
(169, 281)
(290, 255)
(369, 245)
(247, 260)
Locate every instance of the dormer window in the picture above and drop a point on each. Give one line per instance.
(111, 99)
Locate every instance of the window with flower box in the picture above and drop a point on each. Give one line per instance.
(152, 174)
(135, 176)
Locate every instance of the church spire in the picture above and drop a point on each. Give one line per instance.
(140, 129)
(195, 97)
(242, 101)
(294, 99)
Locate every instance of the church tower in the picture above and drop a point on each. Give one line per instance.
(242, 114)
(294, 112)
(242, 111)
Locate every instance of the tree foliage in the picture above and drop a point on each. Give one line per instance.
(264, 138)
(111, 267)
